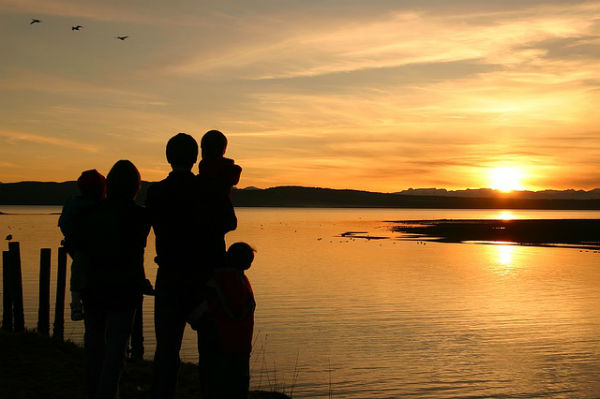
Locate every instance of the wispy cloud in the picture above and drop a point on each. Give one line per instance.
(5, 164)
(398, 39)
(54, 141)
(24, 80)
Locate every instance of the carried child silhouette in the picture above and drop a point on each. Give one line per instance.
(92, 190)
(217, 174)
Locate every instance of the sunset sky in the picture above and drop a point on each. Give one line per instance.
(376, 95)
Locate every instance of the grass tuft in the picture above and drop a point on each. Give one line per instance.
(35, 366)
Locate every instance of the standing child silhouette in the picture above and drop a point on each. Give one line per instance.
(226, 320)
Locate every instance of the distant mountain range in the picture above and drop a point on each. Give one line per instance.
(46, 193)
(489, 193)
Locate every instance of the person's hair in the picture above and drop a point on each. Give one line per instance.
(240, 255)
(214, 144)
(123, 181)
(92, 184)
(182, 151)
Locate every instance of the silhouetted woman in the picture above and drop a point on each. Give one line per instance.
(114, 236)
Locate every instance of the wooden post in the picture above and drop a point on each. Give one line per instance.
(137, 333)
(44, 302)
(7, 302)
(19, 318)
(61, 280)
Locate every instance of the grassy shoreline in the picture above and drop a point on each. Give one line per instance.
(35, 366)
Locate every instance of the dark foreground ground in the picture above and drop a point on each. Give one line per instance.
(576, 233)
(32, 366)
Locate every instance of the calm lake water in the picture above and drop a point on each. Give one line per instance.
(391, 318)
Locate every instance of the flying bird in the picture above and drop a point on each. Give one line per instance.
(9, 237)
(76, 27)
(34, 21)
(121, 37)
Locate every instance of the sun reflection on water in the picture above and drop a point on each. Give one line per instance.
(505, 253)
(502, 257)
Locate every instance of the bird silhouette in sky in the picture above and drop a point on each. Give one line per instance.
(9, 237)
(76, 27)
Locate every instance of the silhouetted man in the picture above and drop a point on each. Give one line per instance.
(189, 228)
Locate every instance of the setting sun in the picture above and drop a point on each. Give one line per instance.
(506, 179)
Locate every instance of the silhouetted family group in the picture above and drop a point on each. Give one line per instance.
(198, 281)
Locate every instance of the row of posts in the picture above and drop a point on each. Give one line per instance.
(12, 288)
(12, 297)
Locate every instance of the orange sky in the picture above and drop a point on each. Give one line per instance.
(378, 95)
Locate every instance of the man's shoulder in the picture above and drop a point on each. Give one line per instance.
(175, 187)
(159, 187)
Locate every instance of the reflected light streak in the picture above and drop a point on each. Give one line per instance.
(505, 254)
(506, 215)
(501, 256)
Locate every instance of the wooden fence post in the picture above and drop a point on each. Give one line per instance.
(61, 279)
(7, 298)
(44, 302)
(19, 318)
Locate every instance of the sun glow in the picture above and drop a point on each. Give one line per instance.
(506, 179)
(506, 215)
